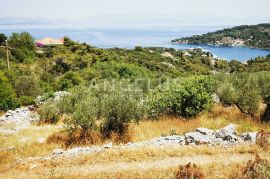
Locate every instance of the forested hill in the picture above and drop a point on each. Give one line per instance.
(257, 36)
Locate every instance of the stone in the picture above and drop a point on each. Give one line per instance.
(222, 133)
(205, 131)
(198, 138)
(108, 146)
(167, 54)
(231, 138)
(215, 96)
(250, 136)
(253, 136)
(58, 152)
(32, 166)
(56, 97)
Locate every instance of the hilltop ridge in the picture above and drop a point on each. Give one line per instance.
(255, 36)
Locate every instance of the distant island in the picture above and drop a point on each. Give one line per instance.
(254, 36)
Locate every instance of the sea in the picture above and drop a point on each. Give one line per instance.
(145, 37)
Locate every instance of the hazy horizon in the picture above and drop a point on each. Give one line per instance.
(130, 13)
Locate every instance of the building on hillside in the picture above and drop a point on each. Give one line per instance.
(48, 41)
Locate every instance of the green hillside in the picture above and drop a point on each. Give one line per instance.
(257, 36)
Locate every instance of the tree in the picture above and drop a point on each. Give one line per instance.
(23, 46)
(69, 80)
(8, 98)
(186, 99)
(2, 38)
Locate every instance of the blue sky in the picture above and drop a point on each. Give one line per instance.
(142, 12)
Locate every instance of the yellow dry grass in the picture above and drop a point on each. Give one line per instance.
(148, 162)
(26, 145)
(219, 117)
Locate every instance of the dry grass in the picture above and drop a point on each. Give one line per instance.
(146, 162)
(219, 117)
(26, 145)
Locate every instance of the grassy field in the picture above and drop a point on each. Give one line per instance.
(150, 162)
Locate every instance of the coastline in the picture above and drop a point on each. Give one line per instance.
(221, 45)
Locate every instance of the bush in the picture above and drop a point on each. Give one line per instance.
(69, 80)
(191, 171)
(49, 113)
(120, 108)
(241, 90)
(27, 85)
(23, 46)
(256, 169)
(101, 110)
(82, 108)
(186, 99)
(8, 98)
(26, 100)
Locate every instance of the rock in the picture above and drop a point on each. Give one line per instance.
(58, 152)
(217, 141)
(250, 136)
(32, 166)
(19, 118)
(56, 97)
(198, 138)
(167, 55)
(215, 97)
(231, 138)
(20, 114)
(168, 65)
(205, 131)
(226, 131)
(108, 146)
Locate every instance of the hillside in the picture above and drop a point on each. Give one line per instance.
(255, 36)
(74, 111)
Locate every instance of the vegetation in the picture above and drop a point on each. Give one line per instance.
(252, 35)
(186, 99)
(139, 83)
(246, 91)
(8, 98)
(3, 38)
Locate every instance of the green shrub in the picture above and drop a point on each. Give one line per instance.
(27, 85)
(49, 113)
(8, 98)
(26, 100)
(227, 93)
(109, 111)
(186, 99)
(69, 80)
(23, 46)
(82, 108)
(120, 108)
(242, 90)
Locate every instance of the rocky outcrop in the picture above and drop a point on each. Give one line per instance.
(20, 118)
(55, 97)
(226, 136)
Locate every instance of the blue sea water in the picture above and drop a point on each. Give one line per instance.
(129, 38)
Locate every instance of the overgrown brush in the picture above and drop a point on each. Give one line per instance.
(102, 110)
(258, 169)
(186, 99)
(189, 171)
